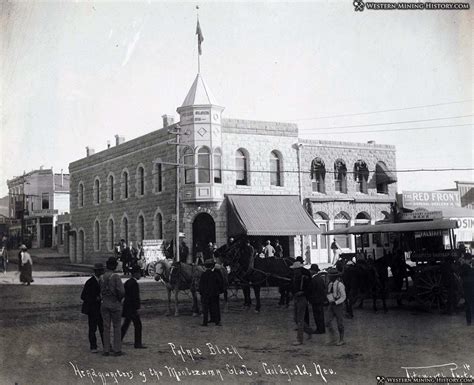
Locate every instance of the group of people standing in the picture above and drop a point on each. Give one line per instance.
(106, 300)
(309, 288)
(130, 256)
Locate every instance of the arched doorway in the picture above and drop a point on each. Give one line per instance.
(204, 231)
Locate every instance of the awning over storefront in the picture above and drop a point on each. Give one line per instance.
(383, 175)
(442, 224)
(271, 215)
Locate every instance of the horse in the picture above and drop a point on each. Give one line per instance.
(247, 271)
(182, 276)
(362, 279)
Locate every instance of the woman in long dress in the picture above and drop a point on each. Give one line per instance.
(25, 266)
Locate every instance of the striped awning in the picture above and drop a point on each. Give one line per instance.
(271, 215)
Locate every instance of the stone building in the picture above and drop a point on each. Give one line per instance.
(237, 177)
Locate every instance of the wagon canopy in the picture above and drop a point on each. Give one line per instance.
(441, 224)
(272, 215)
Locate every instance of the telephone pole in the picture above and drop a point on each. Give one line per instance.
(177, 132)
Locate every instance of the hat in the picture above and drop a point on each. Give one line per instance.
(136, 269)
(111, 263)
(209, 262)
(298, 263)
(314, 267)
(98, 266)
(23, 247)
(333, 271)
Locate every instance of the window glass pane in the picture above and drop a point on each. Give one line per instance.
(111, 187)
(142, 181)
(125, 185)
(45, 201)
(204, 166)
(342, 240)
(241, 168)
(158, 176)
(189, 171)
(217, 167)
(323, 227)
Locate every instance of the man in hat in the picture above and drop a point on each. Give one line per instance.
(317, 299)
(210, 286)
(131, 304)
(301, 292)
(336, 297)
(112, 290)
(91, 306)
(278, 249)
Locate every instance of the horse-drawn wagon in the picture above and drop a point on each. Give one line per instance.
(421, 268)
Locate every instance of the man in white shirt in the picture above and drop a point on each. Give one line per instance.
(269, 250)
(336, 297)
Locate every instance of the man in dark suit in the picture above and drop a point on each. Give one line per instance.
(131, 304)
(317, 299)
(210, 286)
(91, 306)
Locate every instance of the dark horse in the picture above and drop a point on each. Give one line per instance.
(365, 278)
(249, 271)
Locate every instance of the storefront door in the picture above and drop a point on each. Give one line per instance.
(204, 231)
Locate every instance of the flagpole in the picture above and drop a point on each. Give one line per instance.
(199, 56)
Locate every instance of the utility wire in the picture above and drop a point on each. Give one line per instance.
(392, 129)
(172, 167)
(380, 111)
(388, 123)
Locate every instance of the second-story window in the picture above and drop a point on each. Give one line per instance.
(318, 175)
(97, 191)
(275, 169)
(361, 175)
(189, 166)
(141, 181)
(111, 187)
(158, 175)
(204, 165)
(217, 165)
(80, 195)
(241, 172)
(125, 184)
(45, 201)
(340, 176)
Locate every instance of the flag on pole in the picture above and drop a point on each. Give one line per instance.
(200, 37)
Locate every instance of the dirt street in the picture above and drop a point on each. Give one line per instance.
(44, 341)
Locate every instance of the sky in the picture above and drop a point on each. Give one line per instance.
(75, 74)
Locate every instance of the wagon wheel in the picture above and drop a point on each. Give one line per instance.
(429, 289)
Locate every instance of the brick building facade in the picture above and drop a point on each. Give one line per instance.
(128, 191)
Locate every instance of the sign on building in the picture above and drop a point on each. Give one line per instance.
(421, 215)
(431, 199)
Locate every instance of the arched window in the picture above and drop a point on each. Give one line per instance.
(111, 231)
(125, 229)
(96, 235)
(241, 167)
(141, 180)
(362, 218)
(158, 226)
(275, 169)
(217, 165)
(80, 195)
(340, 176)
(158, 177)
(204, 165)
(97, 191)
(318, 175)
(111, 187)
(125, 184)
(189, 166)
(361, 175)
(141, 228)
(341, 221)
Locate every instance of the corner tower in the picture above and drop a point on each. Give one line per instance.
(201, 139)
